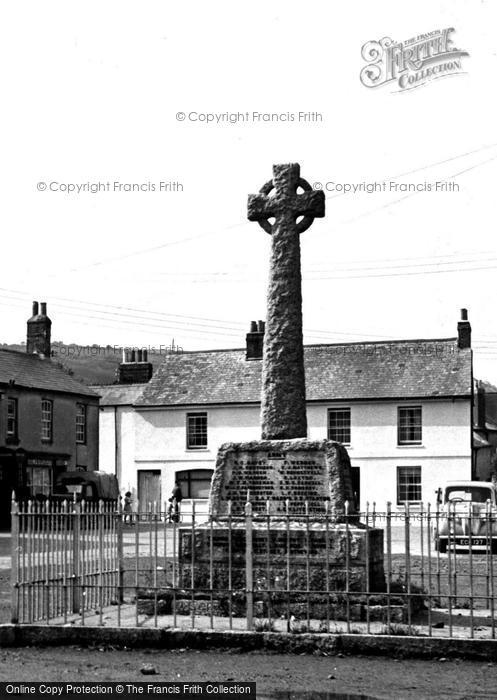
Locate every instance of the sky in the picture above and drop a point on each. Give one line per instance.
(119, 93)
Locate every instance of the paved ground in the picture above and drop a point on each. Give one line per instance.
(293, 676)
(482, 628)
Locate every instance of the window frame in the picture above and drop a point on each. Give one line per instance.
(12, 435)
(407, 485)
(46, 484)
(343, 409)
(196, 414)
(413, 426)
(81, 440)
(44, 422)
(185, 480)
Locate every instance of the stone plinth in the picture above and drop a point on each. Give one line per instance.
(306, 550)
(300, 471)
(317, 557)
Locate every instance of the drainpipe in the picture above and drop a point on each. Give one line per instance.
(472, 418)
(116, 445)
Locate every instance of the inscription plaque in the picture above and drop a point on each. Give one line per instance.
(297, 473)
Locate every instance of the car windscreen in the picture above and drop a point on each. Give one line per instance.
(71, 489)
(475, 494)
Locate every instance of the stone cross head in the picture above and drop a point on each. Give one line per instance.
(279, 198)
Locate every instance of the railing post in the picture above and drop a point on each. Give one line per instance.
(100, 520)
(120, 563)
(76, 534)
(14, 576)
(249, 575)
(389, 560)
(407, 532)
(347, 563)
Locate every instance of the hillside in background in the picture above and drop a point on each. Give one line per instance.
(92, 364)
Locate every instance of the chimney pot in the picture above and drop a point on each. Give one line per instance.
(255, 341)
(464, 314)
(145, 356)
(38, 340)
(134, 371)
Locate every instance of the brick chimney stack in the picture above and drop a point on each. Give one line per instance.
(135, 367)
(464, 331)
(39, 331)
(255, 340)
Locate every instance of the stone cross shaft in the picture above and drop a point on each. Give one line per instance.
(283, 409)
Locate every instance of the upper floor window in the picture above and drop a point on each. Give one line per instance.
(12, 418)
(46, 420)
(339, 425)
(196, 430)
(410, 425)
(81, 423)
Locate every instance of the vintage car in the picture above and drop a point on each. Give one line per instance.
(90, 486)
(466, 517)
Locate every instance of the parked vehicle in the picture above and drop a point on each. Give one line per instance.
(466, 517)
(90, 486)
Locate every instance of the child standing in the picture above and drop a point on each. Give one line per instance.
(128, 511)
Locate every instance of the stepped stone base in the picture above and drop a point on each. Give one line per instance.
(316, 556)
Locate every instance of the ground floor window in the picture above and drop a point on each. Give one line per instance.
(408, 485)
(39, 481)
(195, 483)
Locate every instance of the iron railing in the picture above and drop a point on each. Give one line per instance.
(410, 570)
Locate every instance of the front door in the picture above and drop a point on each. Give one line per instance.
(7, 485)
(356, 485)
(149, 490)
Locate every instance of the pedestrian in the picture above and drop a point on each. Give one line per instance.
(128, 507)
(176, 498)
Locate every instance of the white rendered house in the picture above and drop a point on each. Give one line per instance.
(402, 408)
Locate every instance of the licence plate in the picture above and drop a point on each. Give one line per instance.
(475, 541)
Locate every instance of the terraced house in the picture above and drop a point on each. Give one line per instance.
(48, 420)
(404, 409)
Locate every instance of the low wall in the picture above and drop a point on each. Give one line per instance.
(377, 645)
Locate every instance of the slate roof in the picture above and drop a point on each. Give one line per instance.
(336, 372)
(32, 372)
(119, 394)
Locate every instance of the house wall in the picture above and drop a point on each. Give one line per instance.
(117, 427)
(156, 439)
(64, 425)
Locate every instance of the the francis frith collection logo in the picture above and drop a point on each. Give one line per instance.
(412, 63)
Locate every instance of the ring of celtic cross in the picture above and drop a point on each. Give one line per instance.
(302, 225)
